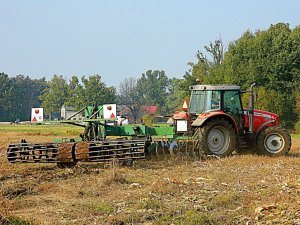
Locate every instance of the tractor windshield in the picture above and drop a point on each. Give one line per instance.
(203, 101)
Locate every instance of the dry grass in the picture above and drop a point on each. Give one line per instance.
(237, 190)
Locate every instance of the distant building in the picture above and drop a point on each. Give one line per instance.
(68, 111)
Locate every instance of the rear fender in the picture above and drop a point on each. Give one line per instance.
(204, 118)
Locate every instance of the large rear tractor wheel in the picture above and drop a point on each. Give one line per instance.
(217, 138)
(274, 141)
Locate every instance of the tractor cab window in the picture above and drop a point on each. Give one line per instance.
(213, 100)
(197, 102)
(232, 102)
(203, 101)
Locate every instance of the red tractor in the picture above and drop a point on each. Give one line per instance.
(217, 116)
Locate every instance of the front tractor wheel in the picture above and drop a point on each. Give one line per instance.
(218, 138)
(274, 141)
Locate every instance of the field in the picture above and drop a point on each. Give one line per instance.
(242, 189)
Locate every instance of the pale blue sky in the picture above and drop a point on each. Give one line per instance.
(119, 39)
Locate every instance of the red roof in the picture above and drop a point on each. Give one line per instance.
(151, 109)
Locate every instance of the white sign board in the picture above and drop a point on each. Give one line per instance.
(37, 114)
(110, 111)
(181, 125)
(122, 120)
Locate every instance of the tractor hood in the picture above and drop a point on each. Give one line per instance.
(261, 117)
(264, 114)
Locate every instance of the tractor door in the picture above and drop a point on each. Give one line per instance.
(233, 106)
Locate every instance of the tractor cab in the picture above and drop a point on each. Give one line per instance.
(210, 100)
(206, 98)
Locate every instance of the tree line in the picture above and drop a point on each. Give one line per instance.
(18, 95)
(270, 58)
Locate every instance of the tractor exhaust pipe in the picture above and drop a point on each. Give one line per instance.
(251, 108)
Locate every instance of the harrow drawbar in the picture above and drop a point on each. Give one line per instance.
(72, 152)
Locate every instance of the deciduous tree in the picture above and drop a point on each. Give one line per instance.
(153, 87)
(129, 96)
(54, 95)
(96, 91)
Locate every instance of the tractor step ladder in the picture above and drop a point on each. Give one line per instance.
(243, 143)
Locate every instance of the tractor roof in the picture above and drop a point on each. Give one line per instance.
(215, 87)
